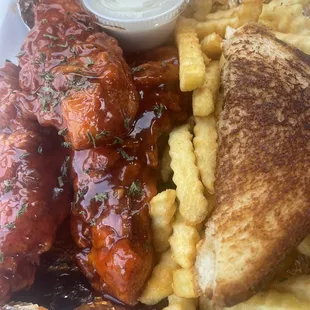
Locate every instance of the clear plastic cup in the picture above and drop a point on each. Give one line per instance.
(140, 30)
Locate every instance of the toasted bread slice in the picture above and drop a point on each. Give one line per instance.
(263, 166)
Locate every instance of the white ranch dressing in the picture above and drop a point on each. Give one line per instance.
(133, 9)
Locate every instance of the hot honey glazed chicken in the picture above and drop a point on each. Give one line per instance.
(74, 77)
(111, 117)
(35, 194)
(114, 184)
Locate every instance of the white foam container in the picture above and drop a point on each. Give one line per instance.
(12, 31)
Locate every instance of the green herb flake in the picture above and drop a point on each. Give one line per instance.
(56, 192)
(41, 59)
(7, 186)
(147, 246)
(64, 61)
(103, 133)
(60, 181)
(93, 222)
(21, 54)
(101, 197)
(49, 36)
(125, 155)
(87, 171)
(1, 257)
(137, 69)
(118, 140)
(91, 139)
(48, 77)
(90, 62)
(44, 21)
(80, 194)
(64, 167)
(63, 132)
(164, 64)
(10, 226)
(66, 145)
(24, 156)
(22, 210)
(72, 38)
(40, 149)
(63, 45)
(159, 109)
(135, 189)
(82, 213)
(126, 123)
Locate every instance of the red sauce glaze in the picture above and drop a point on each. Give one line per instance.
(35, 194)
(75, 77)
(114, 184)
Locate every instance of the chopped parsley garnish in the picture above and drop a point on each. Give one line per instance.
(7, 186)
(163, 64)
(118, 140)
(63, 132)
(93, 222)
(46, 35)
(68, 13)
(63, 45)
(125, 155)
(103, 133)
(66, 145)
(72, 38)
(159, 109)
(41, 59)
(21, 54)
(64, 61)
(126, 122)
(135, 189)
(60, 181)
(24, 156)
(22, 210)
(90, 62)
(1, 257)
(56, 192)
(80, 194)
(10, 225)
(64, 167)
(40, 149)
(101, 197)
(91, 139)
(137, 69)
(147, 246)
(44, 21)
(82, 212)
(48, 77)
(87, 171)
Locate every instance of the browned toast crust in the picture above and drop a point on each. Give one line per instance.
(263, 165)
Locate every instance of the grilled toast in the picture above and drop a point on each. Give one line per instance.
(263, 166)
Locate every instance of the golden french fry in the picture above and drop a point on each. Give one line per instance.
(178, 303)
(193, 204)
(192, 72)
(211, 45)
(163, 207)
(304, 247)
(159, 285)
(183, 242)
(286, 16)
(205, 96)
(297, 285)
(249, 10)
(202, 8)
(302, 42)
(184, 283)
(272, 300)
(165, 171)
(221, 14)
(205, 145)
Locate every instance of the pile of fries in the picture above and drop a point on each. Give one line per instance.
(178, 216)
